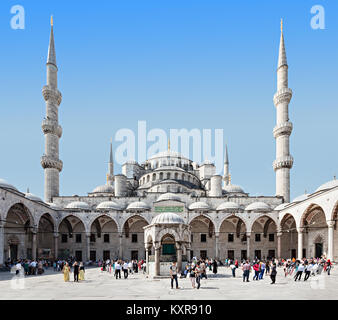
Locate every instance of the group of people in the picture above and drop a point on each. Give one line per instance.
(79, 271)
(123, 266)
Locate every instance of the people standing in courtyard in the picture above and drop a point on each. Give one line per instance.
(262, 270)
(192, 275)
(198, 273)
(173, 275)
(300, 270)
(76, 271)
(273, 273)
(246, 271)
(214, 266)
(233, 269)
(66, 271)
(118, 269)
(125, 269)
(328, 266)
(81, 272)
(256, 270)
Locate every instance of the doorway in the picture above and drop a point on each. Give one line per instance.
(319, 249)
(13, 251)
(106, 255)
(78, 255)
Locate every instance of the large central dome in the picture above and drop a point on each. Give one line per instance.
(168, 154)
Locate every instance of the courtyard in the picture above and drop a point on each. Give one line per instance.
(102, 285)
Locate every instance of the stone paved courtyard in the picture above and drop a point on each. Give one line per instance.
(102, 285)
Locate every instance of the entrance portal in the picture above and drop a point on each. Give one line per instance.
(319, 249)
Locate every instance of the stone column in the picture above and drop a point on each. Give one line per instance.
(88, 246)
(248, 237)
(217, 245)
(179, 258)
(2, 244)
(34, 244)
(300, 243)
(279, 244)
(56, 245)
(147, 260)
(120, 248)
(330, 239)
(157, 259)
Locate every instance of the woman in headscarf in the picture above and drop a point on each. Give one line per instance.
(82, 271)
(214, 266)
(66, 271)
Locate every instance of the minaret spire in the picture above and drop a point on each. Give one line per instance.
(50, 161)
(283, 129)
(226, 177)
(110, 174)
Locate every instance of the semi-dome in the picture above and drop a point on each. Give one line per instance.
(169, 196)
(5, 184)
(301, 198)
(281, 206)
(167, 217)
(258, 206)
(232, 188)
(200, 205)
(108, 205)
(33, 197)
(138, 205)
(103, 189)
(328, 185)
(80, 205)
(54, 206)
(228, 206)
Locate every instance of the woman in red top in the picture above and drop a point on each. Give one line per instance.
(256, 269)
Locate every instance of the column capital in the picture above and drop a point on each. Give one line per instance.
(301, 230)
(330, 223)
(56, 234)
(248, 234)
(279, 233)
(157, 245)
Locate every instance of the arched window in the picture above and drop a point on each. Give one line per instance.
(148, 178)
(176, 176)
(154, 176)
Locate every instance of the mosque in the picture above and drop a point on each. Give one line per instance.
(168, 207)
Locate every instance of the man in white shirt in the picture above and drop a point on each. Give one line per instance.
(118, 269)
(18, 267)
(299, 271)
(130, 267)
(125, 269)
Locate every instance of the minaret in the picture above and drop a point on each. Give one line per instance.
(110, 174)
(283, 129)
(50, 161)
(226, 177)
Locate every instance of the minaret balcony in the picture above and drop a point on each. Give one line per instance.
(51, 163)
(283, 162)
(282, 96)
(283, 129)
(51, 126)
(53, 94)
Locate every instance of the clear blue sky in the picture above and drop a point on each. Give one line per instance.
(176, 64)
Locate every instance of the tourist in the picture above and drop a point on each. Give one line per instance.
(233, 269)
(256, 269)
(198, 272)
(328, 266)
(214, 266)
(173, 275)
(130, 266)
(76, 271)
(203, 267)
(262, 270)
(268, 267)
(273, 273)
(246, 271)
(66, 271)
(118, 269)
(82, 271)
(125, 269)
(300, 270)
(192, 274)
(40, 268)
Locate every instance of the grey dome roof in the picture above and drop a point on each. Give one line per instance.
(231, 188)
(138, 205)
(328, 185)
(33, 197)
(167, 217)
(54, 206)
(109, 205)
(207, 162)
(168, 196)
(301, 198)
(169, 168)
(103, 189)
(78, 205)
(168, 153)
(258, 206)
(228, 206)
(281, 206)
(200, 205)
(5, 184)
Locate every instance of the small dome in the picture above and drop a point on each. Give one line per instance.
(78, 205)
(228, 206)
(169, 196)
(6, 185)
(104, 189)
(138, 205)
(258, 206)
(108, 205)
(328, 185)
(167, 217)
(231, 188)
(33, 197)
(281, 206)
(200, 205)
(131, 162)
(54, 206)
(300, 198)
